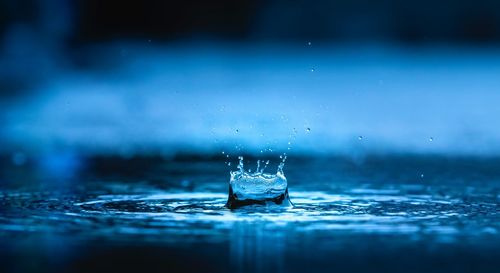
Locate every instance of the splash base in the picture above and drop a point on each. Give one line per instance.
(281, 200)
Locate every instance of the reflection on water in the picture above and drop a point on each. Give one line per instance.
(251, 255)
(338, 219)
(201, 213)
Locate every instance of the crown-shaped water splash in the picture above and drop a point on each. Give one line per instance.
(258, 188)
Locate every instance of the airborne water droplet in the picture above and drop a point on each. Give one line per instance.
(431, 139)
(308, 129)
(360, 137)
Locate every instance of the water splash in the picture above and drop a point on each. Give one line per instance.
(258, 188)
(282, 164)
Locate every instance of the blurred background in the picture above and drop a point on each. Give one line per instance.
(255, 77)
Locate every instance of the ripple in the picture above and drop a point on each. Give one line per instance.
(203, 213)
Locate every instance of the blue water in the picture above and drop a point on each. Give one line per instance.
(400, 213)
(207, 98)
(247, 188)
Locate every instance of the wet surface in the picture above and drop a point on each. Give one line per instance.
(346, 215)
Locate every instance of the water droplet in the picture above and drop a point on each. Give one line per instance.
(360, 137)
(289, 143)
(308, 129)
(431, 139)
(229, 163)
(265, 166)
(227, 156)
(309, 43)
(237, 131)
(421, 175)
(240, 164)
(312, 69)
(282, 164)
(223, 152)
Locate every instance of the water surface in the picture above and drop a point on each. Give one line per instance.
(378, 214)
